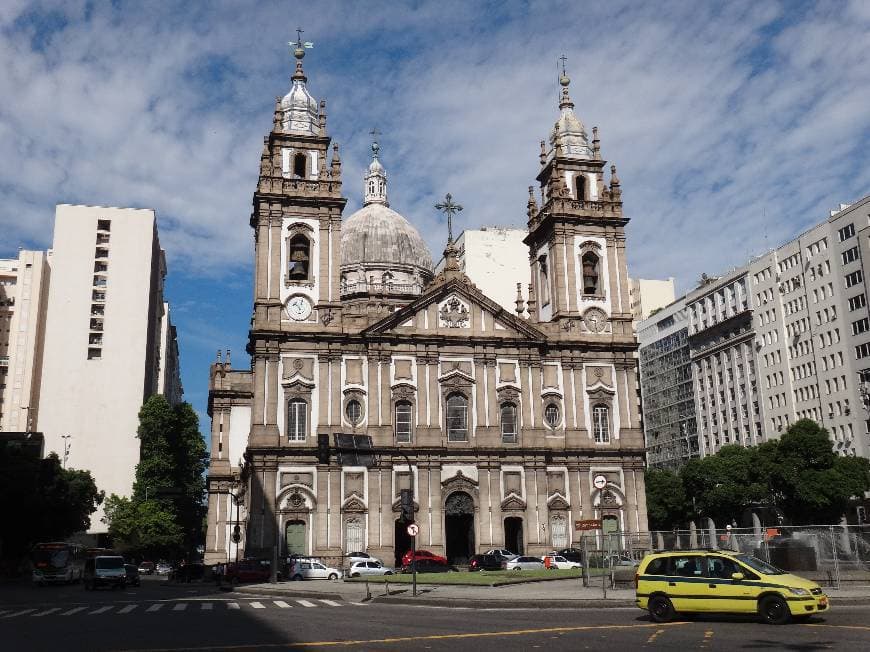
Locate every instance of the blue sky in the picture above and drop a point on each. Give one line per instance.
(732, 124)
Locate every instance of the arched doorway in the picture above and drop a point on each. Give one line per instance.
(459, 527)
(401, 542)
(294, 537)
(513, 534)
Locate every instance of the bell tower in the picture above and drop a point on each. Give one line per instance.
(577, 235)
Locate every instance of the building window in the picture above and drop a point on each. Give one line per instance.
(403, 422)
(590, 273)
(860, 326)
(545, 280)
(858, 301)
(580, 185)
(95, 354)
(104, 225)
(552, 415)
(297, 418)
(509, 423)
(299, 165)
(457, 418)
(353, 411)
(850, 255)
(299, 258)
(854, 278)
(846, 232)
(601, 424)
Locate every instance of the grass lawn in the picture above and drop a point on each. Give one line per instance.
(483, 578)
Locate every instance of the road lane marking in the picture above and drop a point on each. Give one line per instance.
(708, 635)
(836, 626)
(412, 639)
(45, 613)
(155, 607)
(101, 610)
(331, 603)
(128, 609)
(18, 613)
(181, 606)
(206, 606)
(257, 605)
(655, 635)
(73, 611)
(281, 603)
(306, 603)
(3, 613)
(233, 605)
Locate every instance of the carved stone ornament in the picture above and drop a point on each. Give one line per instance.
(354, 504)
(459, 482)
(403, 393)
(326, 316)
(298, 364)
(513, 503)
(595, 320)
(454, 314)
(296, 500)
(458, 503)
(558, 501)
(608, 499)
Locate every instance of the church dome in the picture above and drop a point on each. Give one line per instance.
(298, 106)
(569, 134)
(378, 235)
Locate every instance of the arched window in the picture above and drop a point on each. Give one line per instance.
(580, 185)
(457, 418)
(590, 273)
(601, 423)
(552, 415)
(353, 411)
(297, 419)
(299, 165)
(404, 423)
(299, 258)
(509, 423)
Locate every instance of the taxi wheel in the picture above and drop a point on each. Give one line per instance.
(774, 610)
(661, 609)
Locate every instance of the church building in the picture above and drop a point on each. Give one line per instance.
(508, 426)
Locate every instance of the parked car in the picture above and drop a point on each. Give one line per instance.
(502, 552)
(423, 554)
(485, 562)
(188, 571)
(132, 574)
(353, 557)
(558, 562)
(105, 571)
(359, 568)
(146, 568)
(312, 570)
(571, 554)
(523, 563)
(163, 568)
(248, 570)
(427, 565)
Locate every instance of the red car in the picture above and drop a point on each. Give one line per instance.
(423, 554)
(248, 570)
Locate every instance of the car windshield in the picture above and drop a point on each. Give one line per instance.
(761, 566)
(110, 562)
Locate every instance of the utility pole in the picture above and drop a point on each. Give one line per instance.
(66, 442)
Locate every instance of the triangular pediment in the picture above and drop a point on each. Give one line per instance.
(558, 501)
(461, 311)
(513, 503)
(354, 503)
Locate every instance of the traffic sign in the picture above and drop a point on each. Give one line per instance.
(588, 524)
(599, 482)
(413, 529)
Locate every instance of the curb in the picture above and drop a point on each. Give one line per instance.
(290, 593)
(505, 604)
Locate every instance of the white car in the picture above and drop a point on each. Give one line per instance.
(359, 568)
(353, 557)
(501, 552)
(524, 563)
(306, 569)
(554, 562)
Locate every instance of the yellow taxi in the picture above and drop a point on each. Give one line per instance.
(721, 581)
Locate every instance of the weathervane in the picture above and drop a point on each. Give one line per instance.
(447, 206)
(563, 59)
(300, 44)
(375, 147)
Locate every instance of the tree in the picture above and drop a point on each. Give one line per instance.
(665, 499)
(143, 526)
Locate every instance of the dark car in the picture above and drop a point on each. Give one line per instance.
(132, 574)
(428, 565)
(188, 572)
(571, 554)
(146, 568)
(485, 562)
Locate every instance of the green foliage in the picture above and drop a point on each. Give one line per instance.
(43, 501)
(799, 474)
(170, 483)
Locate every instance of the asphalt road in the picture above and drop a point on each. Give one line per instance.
(161, 616)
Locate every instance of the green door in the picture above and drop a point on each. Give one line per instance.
(294, 535)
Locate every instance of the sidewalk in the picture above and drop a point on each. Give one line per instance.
(568, 593)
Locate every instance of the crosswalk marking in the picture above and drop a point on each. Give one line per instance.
(257, 605)
(45, 613)
(331, 603)
(19, 613)
(101, 610)
(155, 607)
(305, 603)
(73, 611)
(206, 606)
(233, 605)
(281, 603)
(127, 609)
(3, 613)
(181, 606)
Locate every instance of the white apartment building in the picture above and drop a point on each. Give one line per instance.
(23, 292)
(649, 294)
(109, 344)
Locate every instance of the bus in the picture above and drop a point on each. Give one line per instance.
(57, 562)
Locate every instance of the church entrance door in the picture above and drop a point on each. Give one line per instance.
(294, 535)
(459, 527)
(402, 542)
(513, 534)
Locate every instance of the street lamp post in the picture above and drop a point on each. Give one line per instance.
(66, 444)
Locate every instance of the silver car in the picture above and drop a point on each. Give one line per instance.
(523, 563)
(308, 569)
(369, 568)
(353, 557)
(501, 552)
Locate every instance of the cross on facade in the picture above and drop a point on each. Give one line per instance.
(563, 59)
(375, 133)
(447, 206)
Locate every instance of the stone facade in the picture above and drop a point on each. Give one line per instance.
(508, 425)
